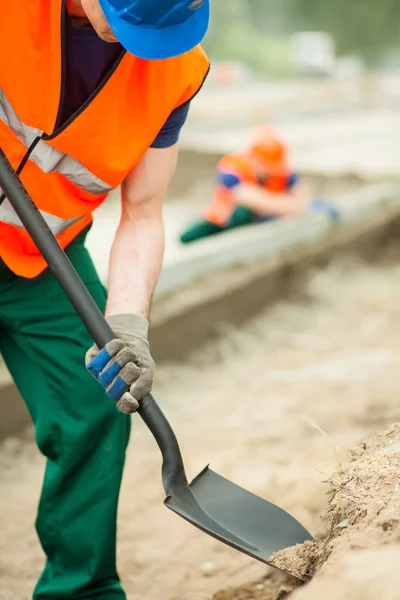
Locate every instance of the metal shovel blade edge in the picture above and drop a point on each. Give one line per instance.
(237, 517)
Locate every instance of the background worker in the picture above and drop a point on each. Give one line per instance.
(84, 108)
(254, 186)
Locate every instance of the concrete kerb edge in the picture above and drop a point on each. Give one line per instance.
(183, 321)
(262, 241)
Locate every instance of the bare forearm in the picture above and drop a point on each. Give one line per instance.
(135, 265)
(278, 205)
(138, 249)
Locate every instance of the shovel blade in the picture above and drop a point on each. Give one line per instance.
(237, 517)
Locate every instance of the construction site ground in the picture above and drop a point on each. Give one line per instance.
(274, 406)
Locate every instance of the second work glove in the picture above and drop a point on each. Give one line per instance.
(124, 367)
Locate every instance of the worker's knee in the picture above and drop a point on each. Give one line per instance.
(198, 231)
(241, 216)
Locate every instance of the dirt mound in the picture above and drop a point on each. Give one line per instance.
(274, 586)
(359, 557)
(364, 506)
(299, 560)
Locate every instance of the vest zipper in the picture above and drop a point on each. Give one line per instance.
(63, 61)
(88, 101)
(57, 129)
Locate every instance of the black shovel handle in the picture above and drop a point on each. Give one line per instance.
(173, 470)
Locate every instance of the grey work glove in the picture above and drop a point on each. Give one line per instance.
(124, 367)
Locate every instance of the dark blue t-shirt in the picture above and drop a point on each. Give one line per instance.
(88, 60)
(229, 180)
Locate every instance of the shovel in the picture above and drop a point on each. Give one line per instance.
(212, 503)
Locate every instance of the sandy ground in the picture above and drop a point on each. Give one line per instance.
(277, 412)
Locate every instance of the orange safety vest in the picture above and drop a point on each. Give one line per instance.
(69, 170)
(223, 204)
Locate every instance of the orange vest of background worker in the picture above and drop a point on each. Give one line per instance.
(252, 186)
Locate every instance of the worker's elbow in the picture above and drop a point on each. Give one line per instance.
(142, 208)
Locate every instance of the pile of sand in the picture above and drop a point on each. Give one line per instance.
(361, 556)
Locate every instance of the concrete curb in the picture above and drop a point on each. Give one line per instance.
(182, 322)
(262, 241)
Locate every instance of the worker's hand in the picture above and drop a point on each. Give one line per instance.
(325, 207)
(247, 193)
(124, 367)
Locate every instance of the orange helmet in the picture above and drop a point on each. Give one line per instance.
(269, 149)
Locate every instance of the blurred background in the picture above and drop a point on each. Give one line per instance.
(277, 344)
(325, 74)
(268, 37)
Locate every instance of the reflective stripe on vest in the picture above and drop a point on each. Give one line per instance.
(57, 225)
(46, 157)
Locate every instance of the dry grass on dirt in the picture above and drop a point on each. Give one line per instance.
(364, 534)
(291, 393)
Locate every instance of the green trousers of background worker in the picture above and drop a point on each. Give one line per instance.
(77, 428)
(240, 217)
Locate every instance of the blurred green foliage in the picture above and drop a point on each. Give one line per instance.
(266, 54)
(258, 31)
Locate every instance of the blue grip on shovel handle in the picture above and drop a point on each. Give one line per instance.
(88, 311)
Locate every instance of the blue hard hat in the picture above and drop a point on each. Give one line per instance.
(157, 29)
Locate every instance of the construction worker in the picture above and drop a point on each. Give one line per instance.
(255, 185)
(93, 94)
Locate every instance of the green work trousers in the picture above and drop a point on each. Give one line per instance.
(241, 216)
(78, 429)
